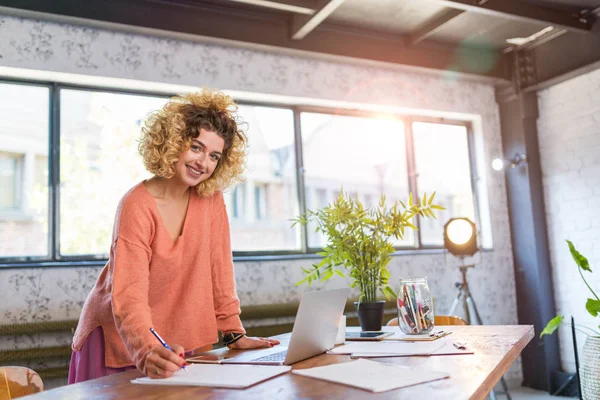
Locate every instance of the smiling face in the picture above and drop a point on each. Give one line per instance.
(199, 162)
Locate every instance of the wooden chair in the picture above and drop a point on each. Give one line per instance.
(18, 382)
(437, 320)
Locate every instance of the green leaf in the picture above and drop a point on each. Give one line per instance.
(301, 282)
(411, 226)
(340, 273)
(431, 199)
(593, 307)
(581, 261)
(552, 325)
(388, 292)
(327, 275)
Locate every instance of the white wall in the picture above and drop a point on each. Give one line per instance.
(569, 137)
(55, 294)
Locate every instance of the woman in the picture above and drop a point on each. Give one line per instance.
(170, 264)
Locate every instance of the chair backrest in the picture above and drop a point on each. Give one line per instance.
(18, 382)
(437, 320)
(448, 320)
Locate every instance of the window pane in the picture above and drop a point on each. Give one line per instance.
(442, 164)
(99, 162)
(261, 207)
(10, 166)
(365, 156)
(24, 118)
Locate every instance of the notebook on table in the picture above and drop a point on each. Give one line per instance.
(218, 375)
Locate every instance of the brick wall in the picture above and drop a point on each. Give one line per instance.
(569, 137)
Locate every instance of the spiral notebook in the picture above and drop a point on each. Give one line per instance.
(218, 375)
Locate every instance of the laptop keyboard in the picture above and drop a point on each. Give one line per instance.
(273, 357)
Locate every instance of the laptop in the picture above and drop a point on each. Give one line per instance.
(314, 332)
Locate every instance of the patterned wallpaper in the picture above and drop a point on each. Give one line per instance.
(56, 294)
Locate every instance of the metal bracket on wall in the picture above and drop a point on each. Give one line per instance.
(524, 69)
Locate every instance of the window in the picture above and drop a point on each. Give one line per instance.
(24, 119)
(442, 165)
(260, 218)
(364, 156)
(99, 163)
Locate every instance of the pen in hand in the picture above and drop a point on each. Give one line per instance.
(164, 343)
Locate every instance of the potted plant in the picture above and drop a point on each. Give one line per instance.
(359, 245)
(589, 373)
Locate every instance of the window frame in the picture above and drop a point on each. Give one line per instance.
(55, 259)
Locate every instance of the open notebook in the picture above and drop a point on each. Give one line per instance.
(371, 375)
(218, 375)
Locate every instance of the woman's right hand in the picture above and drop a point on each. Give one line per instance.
(163, 363)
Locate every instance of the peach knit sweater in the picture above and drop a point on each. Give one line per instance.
(185, 288)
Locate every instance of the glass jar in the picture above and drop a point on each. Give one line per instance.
(415, 307)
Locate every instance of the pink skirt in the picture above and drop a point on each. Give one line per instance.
(88, 363)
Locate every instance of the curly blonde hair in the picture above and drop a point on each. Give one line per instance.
(170, 130)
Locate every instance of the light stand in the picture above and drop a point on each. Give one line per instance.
(465, 295)
(460, 240)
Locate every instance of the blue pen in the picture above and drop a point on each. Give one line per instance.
(164, 343)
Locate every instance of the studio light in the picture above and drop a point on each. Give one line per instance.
(460, 237)
(460, 240)
(518, 159)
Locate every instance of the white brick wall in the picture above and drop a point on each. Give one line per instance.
(569, 137)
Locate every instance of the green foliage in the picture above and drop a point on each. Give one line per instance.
(580, 260)
(592, 305)
(553, 325)
(359, 240)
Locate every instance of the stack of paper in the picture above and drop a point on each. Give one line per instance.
(370, 375)
(218, 375)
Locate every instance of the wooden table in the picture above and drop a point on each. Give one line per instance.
(471, 376)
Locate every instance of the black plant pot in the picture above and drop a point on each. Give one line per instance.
(370, 315)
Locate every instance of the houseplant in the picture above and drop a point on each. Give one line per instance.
(359, 245)
(589, 373)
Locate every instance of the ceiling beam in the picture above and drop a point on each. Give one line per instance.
(432, 26)
(303, 25)
(522, 11)
(565, 57)
(295, 6)
(261, 30)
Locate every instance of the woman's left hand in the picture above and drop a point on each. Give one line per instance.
(248, 342)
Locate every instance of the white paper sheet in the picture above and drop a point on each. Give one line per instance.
(399, 349)
(408, 348)
(371, 375)
(401, 336)
(218, 375)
